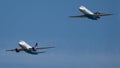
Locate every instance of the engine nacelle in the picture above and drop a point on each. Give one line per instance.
(17, 50)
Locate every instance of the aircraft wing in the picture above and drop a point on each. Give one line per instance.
(103, 14)
(80, 16)
(44, 47)
(15, 49)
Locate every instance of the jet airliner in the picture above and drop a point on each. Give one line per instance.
(29, 49)
(88, 14)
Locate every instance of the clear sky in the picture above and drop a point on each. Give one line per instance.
(80, 43)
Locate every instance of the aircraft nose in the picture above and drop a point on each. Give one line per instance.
(21, 42)
(81, 7)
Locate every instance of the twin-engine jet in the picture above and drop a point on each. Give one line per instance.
(29, 49)
(88, 14)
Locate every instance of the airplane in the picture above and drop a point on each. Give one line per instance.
(90, 15)
(29, 49)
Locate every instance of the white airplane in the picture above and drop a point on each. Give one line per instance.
(88, 14)
(29, 49)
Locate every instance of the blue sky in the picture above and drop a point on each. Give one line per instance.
(80, 43)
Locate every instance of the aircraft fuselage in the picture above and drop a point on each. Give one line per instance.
(88, 13)
(27, 48)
